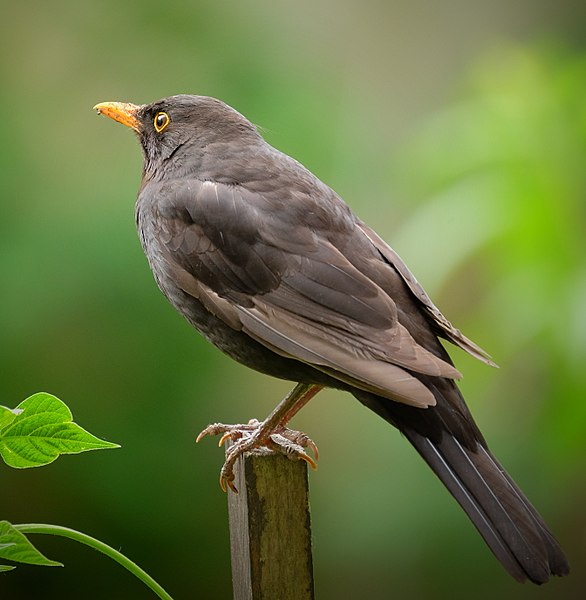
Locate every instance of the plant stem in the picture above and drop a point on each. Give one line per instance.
(100, 547)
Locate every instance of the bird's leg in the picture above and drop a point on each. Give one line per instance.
(272, 433)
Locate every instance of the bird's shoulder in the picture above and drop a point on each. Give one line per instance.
(284, 207)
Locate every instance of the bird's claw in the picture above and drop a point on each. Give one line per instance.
(227, 481)
(233, 432)
(250, 436)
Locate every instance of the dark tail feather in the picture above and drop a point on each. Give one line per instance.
(511, 527)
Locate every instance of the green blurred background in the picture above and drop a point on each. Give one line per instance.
(457, 129)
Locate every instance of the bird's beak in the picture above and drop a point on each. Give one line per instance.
(123, 112)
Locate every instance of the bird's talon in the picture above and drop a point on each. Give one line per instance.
(308, 460)
(227, 474)
(227, 481)
(250, 436)
(223, 439)
(301, 439)
(314, 450)
(212, 429)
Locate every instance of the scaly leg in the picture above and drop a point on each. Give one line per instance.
(272, 433)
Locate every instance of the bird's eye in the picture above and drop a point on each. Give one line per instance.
(161, 121)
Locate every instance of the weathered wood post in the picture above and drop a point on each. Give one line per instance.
(270, 529)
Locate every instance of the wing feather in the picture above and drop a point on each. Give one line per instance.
(297, 294)
(447, 329)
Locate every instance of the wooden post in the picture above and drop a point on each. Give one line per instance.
(270, 529)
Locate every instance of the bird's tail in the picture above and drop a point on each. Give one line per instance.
(457, 454)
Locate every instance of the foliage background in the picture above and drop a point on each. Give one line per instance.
(457, 128)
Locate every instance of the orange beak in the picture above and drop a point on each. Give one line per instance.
(123, 112)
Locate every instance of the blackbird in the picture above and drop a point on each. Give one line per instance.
(272, 267)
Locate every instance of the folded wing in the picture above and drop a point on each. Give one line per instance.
(291, 289)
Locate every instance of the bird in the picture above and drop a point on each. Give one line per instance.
(271, 266)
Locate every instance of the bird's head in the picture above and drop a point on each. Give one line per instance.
(182, 128)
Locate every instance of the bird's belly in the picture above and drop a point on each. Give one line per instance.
(241, 347)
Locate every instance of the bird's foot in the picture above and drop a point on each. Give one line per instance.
(254, 436)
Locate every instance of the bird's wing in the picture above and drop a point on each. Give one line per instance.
(278, 277)
(445, 328)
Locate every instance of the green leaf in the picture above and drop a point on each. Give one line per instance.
(16, 547)
(4, 568)
(42, 431)
(7, 415)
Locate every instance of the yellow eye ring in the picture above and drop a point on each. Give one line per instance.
(161, 121)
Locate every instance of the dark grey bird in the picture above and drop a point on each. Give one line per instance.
(272, 267)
